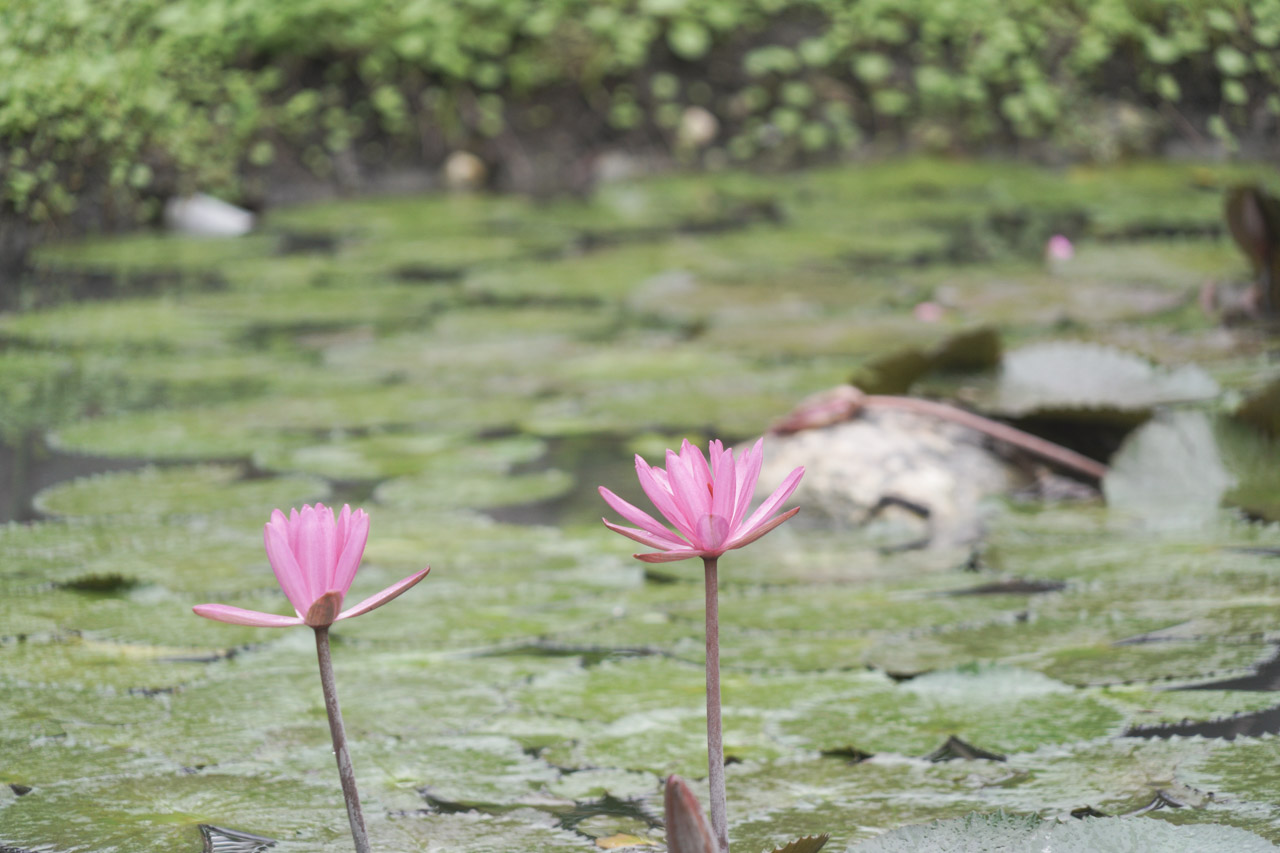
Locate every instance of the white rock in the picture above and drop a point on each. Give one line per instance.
(464, 171)
(851, 467)
(698, 127)
(205, 216)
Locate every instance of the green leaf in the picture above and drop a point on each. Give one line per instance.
(1000, 831)
(1067, 376)
(1169, 471)
(807, 844)
(688, 38)
(1230, 61)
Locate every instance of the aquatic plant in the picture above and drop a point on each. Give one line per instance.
(315, 557)
(707, 504)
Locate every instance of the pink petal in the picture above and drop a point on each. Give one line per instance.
(641, 536)
(381, 598)
(292, 528)
(306, 550)
(690, 492)
(357, 535)
(748, 474)
(327, 545)
(635, 515)
(342, 527)
(240, 616)
(695, 461)
(756, 532)
(658, 490)
(725, 487)
(771, 503)
(285, 565)
(713, 530)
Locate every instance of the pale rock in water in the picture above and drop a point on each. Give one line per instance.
(464, 171)
(698, 127)
(205, 216)
(856, 468)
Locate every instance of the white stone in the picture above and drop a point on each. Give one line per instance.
(205, 216)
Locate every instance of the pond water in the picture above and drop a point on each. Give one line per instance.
(469, 369)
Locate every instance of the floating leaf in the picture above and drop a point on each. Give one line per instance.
(188, 491)
(1067, 377)
(807, 844)
(1096, 835)
(1261, 409)
(1169, 471)
(622, 839)
(972, 350)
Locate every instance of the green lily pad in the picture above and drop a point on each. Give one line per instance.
(184, 491)
(452, 489)
(364, 458)
(999, 709)
(79, 663)
(138, 325)
(1065, 376)
(1169, 472)
(665, 741)
(1092, 835)
(1251, 458)
(260, 425)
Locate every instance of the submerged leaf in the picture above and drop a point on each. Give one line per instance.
(896, 372)
(807, 844)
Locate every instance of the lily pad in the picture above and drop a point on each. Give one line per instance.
(1001, 709)
(187, 491)
(1169, 472)
(1092, 835)
(452, 489)
(260, 425)
(396, 454)
(1064, 377)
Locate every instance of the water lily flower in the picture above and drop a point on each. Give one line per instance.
(314, 557)
(706, 503)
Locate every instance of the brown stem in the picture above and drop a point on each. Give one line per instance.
(345, 772)
(715, 740)
(1000, 432)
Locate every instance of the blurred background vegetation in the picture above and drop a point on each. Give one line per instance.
(108, 107)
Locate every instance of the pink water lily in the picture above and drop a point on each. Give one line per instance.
(314, 557)
(706, 502)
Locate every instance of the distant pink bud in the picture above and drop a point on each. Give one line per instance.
(1059, 248)
(928, 312)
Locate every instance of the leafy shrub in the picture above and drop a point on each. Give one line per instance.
(119, 103)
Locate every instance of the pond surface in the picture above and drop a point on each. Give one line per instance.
(469, 369)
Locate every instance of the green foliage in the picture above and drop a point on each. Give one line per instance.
(126, 101)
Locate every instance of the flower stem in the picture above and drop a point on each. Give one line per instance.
(345, 773)
(715, 741)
